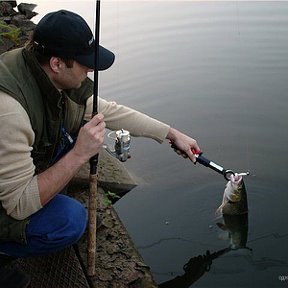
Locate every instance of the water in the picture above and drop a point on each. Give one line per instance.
(217, 71)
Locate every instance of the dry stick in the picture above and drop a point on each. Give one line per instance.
(92, 209)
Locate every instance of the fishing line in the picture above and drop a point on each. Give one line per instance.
(239, 45)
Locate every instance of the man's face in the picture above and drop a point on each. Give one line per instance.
(71, 78)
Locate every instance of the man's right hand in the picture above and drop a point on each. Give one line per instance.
(56, 177)
(90, 138)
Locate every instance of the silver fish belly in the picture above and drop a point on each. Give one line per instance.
(234, 197)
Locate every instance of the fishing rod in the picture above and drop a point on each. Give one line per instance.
(121, 151)
(92, 205)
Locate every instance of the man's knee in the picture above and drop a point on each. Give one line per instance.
(76, 220)
(57, 225)
(62, 222)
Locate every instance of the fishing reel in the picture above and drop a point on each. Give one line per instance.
(121, 145)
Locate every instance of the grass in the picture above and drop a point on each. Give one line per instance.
(9, 32)
(110, 197)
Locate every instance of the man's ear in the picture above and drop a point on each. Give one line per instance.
(55, 64)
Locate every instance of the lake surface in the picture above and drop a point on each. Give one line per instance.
(219, 72)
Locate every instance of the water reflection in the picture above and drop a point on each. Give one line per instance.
(196, 267)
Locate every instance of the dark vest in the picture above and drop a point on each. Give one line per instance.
(48, 109)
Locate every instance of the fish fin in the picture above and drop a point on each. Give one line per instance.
(218, 212)
(222, 226)
(219, 209)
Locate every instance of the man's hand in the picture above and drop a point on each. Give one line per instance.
(183, 144)
(88, 144)
(90, 138)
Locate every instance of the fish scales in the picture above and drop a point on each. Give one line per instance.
(234, 198)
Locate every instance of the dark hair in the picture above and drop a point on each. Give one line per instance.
(42, 56)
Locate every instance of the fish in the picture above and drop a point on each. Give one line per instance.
(234, 197)
(235, 228)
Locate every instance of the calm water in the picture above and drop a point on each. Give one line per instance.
(217, 71)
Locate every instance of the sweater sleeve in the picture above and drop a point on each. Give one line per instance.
(122, 117)
(19, 192)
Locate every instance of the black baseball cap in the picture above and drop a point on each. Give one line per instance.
(66, 34)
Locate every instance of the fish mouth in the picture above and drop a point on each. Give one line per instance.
(236, 179)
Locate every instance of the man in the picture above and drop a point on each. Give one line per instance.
(44, 96)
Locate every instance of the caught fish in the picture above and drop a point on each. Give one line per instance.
(234, 197)
(235, 228)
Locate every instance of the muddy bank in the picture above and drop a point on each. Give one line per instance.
(118, 263)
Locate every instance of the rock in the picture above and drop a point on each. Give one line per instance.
(112, 175)
(13, 3)
(27, 10)
(23, 23)
(9, 18)
(5, 45)
(6, 9)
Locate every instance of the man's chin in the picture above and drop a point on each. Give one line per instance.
(78, 86)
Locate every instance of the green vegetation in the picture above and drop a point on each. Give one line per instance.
(10, 32)
(110, 198)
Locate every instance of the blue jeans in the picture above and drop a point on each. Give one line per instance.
(60, 223)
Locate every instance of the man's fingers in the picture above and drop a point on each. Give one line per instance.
(191, 156)
(95, 120)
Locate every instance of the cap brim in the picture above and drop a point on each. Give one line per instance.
(106, 59)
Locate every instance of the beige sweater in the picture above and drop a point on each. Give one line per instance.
(19, 192)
